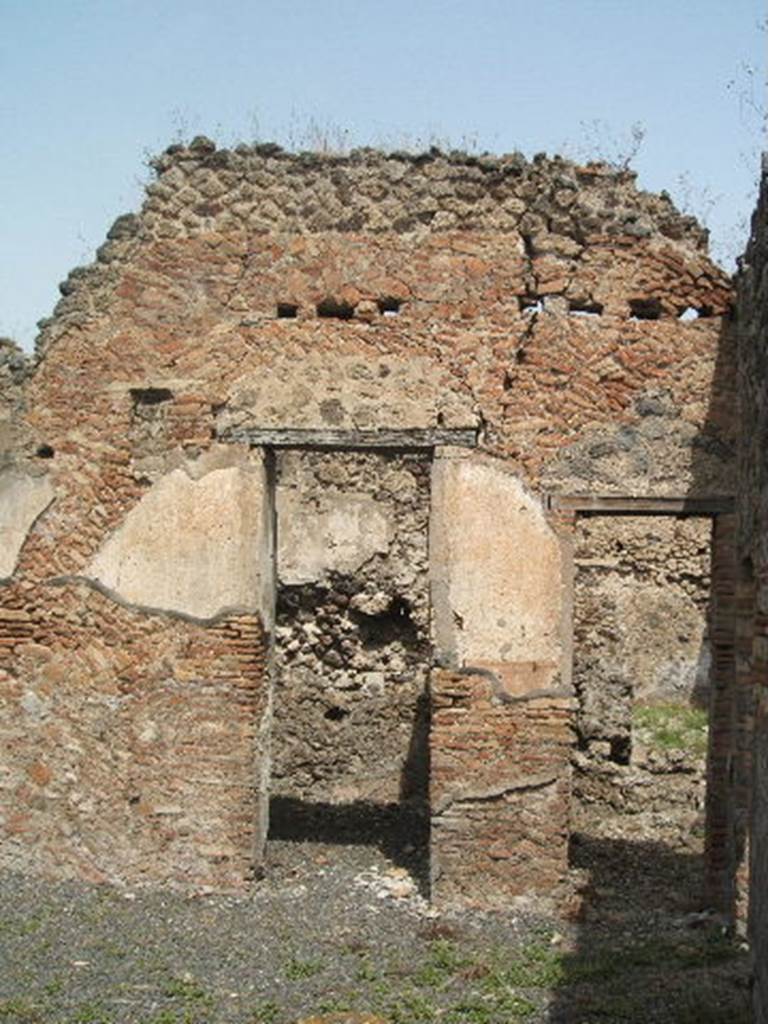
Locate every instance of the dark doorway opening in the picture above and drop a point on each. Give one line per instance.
(352, 655)
(642, 663)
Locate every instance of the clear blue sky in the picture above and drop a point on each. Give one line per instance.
(89, 88)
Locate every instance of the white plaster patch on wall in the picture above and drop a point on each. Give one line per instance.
(360, 392)
(496, 567)
(22, 499)
(339, 536)
(189, 546)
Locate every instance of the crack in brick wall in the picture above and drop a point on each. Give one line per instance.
(536, 304)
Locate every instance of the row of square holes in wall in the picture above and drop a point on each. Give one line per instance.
(639, 309)
(332, 308)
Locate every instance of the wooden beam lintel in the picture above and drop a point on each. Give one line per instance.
(622, 505)
(278, 437)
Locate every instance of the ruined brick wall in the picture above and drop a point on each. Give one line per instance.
(642, 663)
(537, 304)
(14, 369)
(131, 680)
(493, 746)
(352, 650)
(749, 699)
(543, 295)
(127, 735)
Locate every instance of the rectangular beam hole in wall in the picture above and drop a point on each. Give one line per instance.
(389, 306)
(584, 307)
(334, 309)
(287, 310)
(645, 309)
(691, 313)
(150, 396)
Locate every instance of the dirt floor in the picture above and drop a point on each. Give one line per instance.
(344, 926)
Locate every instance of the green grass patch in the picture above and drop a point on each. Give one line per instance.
(455, 984)
(19, 1011)
(537, 964)
(21, 926)
(460, 986)
(671, 727)
(89, 1013)
(297, 968)
(367, 971)
(266, 1012)
(335, 1004)
(186, 989)
(457, 981)
(168, 1016)
(443, 961)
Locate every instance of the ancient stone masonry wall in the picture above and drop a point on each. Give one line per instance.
(127, 740)
(352, 638)
(501, 734)
(641, 674)
(564, 323)
(543, 296)
(14, 369)
(749, 700)
(499, 791)
(132, 656)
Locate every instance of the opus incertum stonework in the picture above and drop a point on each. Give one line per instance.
(368, 480)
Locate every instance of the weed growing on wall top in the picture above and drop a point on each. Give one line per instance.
(599, 141)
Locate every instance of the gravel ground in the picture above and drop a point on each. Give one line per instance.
(339, 927)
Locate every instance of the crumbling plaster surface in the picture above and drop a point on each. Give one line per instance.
(491, 292)
(641, 638)
(22, 500)
(126, 729)
(352, 653)
(347, 392)
(339, 533)
(190, 545)
(500, 737)
(496, 565)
